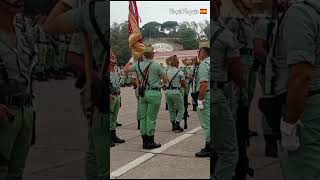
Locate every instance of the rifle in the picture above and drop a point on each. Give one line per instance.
(88, 71)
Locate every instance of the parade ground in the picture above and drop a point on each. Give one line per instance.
(59, 152)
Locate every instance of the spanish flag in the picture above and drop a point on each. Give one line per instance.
(203, 11)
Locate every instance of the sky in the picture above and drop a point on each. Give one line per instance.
(161, 11)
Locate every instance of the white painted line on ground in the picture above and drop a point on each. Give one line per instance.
(194, 130)
(122, 170)
(117, 173)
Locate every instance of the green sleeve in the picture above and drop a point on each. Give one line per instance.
(261, 28)
(133, 67)
(182, 75)
(300, 35)
(76, 18)
(230, 43)
(203, 72)
(161, 71)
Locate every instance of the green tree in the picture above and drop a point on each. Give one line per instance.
(119, 41)
(188, 36)
(151, 30)
(170, 26)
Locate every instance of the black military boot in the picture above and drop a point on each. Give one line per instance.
(185, 123)
(243, 169)
(138, 124)
(112, 144)
(144, 141)
(178, 128)
(173, 126)
(205, 152)
(151, 144)
(194, 108)
(271, 148)
(118, 124)
(115, 138)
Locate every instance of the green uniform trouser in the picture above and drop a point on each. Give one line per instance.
(149, 108)
(232, 93)
(15, 142)
(304, 163)
(204, 117)
(114, 109)
(267, 130)
(247, 92)
(98, 160)
(175, 103)
(224, 139)
(138, 109)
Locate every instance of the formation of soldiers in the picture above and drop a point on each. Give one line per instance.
(282, 52)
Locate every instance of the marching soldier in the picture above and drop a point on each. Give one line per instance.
(193, 93)
(17, 60)
(115, 100)
(202, 87)
(135, 82)
(265, 33)
(227, 62)
(173, 95)
(168, 63)
(240, 24)
(296, 77)
(149, 75)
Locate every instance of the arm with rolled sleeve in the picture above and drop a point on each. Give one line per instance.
(299, 36)
(204, 79)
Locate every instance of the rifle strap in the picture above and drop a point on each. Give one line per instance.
(144, 74)
(173, 78)
(100, 35)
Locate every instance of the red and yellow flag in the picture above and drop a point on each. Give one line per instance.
(203, 11)
(133, 20)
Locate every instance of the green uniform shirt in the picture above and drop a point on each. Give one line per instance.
(18, 62)
(186, 74)
(115, 82)
(80, 19)
(176, 82)
(155, 73)
(225, 46)
(301, 38)
(261, 29)
(203, 73)
(242, 29)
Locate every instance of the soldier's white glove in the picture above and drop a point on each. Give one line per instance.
(132, 60)
(200, 104)
(290, 140)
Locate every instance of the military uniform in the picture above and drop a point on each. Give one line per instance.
(299, 42)
(203, 74)
(98, 167)
(224, 138)
(114, 105)
(185, 93)
(149, 105)
(16, 63)
(174, 97)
